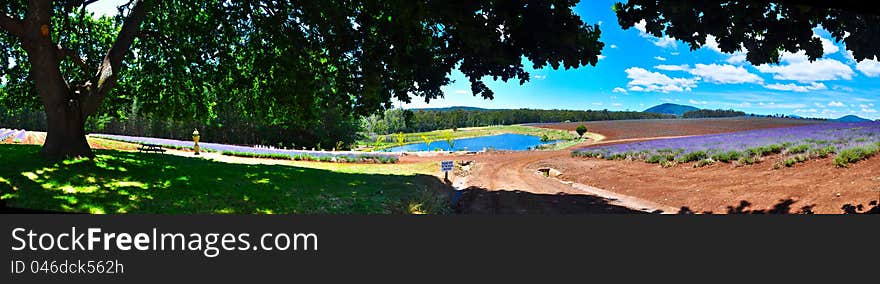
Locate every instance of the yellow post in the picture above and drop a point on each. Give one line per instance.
(196, 140)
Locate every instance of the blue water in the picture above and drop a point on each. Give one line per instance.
(515, 142)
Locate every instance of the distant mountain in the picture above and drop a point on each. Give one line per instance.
(673, 109)
(452, 108)
(795, 116)
(851, 118)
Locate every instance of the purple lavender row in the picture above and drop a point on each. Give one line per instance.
(840, 135)
(233, 148)
(20, 136)
(5, 133)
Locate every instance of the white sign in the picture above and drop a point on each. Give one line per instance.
(446, 166)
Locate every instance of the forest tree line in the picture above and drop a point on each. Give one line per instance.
(405, 120)
(706, 113)
(234, 127)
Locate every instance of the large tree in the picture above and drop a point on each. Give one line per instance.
(763, 29)
(280, 60)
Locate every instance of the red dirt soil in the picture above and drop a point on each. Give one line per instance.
(630, 129)
(816, 184)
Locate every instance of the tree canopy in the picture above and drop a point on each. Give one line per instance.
(285, 62)
(763, 29)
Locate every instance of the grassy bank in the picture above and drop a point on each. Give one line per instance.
(391, 140)
(130, 182)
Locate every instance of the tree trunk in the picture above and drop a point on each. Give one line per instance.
(65, 135)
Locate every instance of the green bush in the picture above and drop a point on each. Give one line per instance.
(693, 156)
(747, 160)
(659, 158)
(581, 129)
(823, 152)
(727, 157)
(765, 150)
(703, 163)
(803, 148)
(855, 154)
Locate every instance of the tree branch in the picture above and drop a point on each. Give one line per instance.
(11, 25)
(66, 52)
(109, 69)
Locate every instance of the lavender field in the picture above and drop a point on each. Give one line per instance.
(246, 151)
(849, 141)
(17, 135)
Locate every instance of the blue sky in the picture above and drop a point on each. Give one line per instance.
(637, 71)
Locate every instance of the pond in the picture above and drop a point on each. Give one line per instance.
(515, 142)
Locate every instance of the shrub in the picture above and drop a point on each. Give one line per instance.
(747, 160)
(790, 162)
(823, 152)
(693, 156)
(658, 158)
(803, 148)
(581, 129)
(855, 154)
(727, 157)
(765, 150)
(703, 163)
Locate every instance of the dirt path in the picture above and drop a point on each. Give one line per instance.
(518, 171)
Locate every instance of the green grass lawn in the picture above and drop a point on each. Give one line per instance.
(440, 135)
(131, 182)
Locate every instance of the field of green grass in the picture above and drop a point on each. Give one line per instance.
(390, 140)
(131, 182)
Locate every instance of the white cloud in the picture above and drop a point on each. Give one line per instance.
(597, 104)
(661, 58)
(675, 53)
(600, 56)
(461, 92)
(540, 77)
(812, 110)
(828, 46)
(695, 102)
(869, 110)
(798, 68)
(725, 74)
(835, 104)
(644, 80)
(715, 73)
(869, 67)
(619, 90)
(665, 41)
(616, 104)
(683, 67)
(796, 88)
(712, 43)
(737, 58)
(613, 46)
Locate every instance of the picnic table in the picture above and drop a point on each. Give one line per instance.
(150, 148)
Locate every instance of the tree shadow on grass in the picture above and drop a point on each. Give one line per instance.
(129, 182)
(475, 200)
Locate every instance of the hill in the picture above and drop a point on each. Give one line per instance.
(673, 109)
(851, 118)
